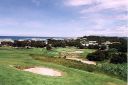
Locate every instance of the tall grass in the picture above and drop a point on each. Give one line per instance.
(119, 70)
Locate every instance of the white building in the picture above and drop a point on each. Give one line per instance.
(6, 40)
(93, 43)
(107, 43)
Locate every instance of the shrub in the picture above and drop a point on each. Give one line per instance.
(103, 47)
(118, 58)
(93, 47)
(48, 47)
(80, 46)
(96, 56)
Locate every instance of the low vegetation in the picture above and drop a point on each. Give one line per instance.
(119, 70)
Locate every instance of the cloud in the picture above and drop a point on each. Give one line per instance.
(119, 31)
(118, 5)
(98, 5)
(119, 17)
(78, 2)
(101, 25)
(37, 2)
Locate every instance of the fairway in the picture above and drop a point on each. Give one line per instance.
(11, 57)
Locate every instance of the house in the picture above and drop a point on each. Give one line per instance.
(115, 42)
(93, 43)
(6, 40)
(107, 43)
(83, 41)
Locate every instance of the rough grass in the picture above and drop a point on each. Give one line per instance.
(11, 76)
(119, 70)
(86, 52)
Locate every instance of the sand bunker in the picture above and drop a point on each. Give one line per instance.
(44, 71)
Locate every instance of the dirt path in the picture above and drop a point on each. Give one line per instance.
(83, 61)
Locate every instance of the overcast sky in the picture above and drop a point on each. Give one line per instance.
(67, 18)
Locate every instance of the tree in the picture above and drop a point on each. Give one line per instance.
(118, 58)
(48, 47)
(96, 56)
(103, 47)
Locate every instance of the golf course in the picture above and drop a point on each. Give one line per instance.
(14, 61)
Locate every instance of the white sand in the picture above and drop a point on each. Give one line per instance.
(44, 71)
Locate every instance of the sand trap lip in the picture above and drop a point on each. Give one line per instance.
(44, 71)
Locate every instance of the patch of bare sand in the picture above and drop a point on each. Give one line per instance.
(44, 71)
(83, 61)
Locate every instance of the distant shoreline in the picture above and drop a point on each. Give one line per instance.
(30, 37)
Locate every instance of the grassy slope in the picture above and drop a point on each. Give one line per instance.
(12, 76)
(86, 52)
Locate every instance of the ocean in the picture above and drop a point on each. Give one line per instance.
(30, 38)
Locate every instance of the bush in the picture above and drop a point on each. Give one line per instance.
(119, 70)
(48, 47)
(103, 47)
(80, 46)
(96, 56)
(118, 58)
(93, 47)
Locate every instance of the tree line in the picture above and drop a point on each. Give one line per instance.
(121, 47)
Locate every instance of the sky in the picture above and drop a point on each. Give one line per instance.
(63, 18)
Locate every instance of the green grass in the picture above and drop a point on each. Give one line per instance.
(55, 51)
(12, 76)
(86, 52)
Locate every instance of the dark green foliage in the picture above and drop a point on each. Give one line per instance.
(72, 42)
(121, 47)
(96, 56)
(93, 47)
(29, 43)
(38, 44)
(21, 43)
(101, 39)
(112, 55)
(118, 58)
(57, 43)
(7, 43)
(103, 47)
(48, 47)
(80, 46)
